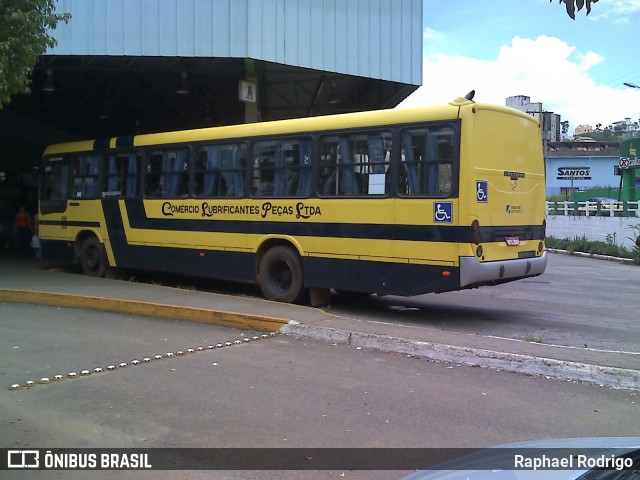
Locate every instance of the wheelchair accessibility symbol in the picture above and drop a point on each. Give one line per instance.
(443, 212)
(481, 191)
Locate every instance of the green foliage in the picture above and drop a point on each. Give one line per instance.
(572, 5)
(558, 197)
(530, 337)
(24, 36)
(609, 247)
(635, 238)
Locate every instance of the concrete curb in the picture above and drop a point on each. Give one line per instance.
(572, 371)
(625, 261)
(200, 315)
(517, 363)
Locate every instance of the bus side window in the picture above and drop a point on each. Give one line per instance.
(175, 170)
(55, 181)
(427, 159)
(234, 160)
(112, 176)
(167, 173)
(281, 168)
(120, 174)
(86, 176)
(219, 171)
(153, 186)
(131, 172)
(356, 164)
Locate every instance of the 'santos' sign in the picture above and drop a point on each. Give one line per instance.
(574, 173)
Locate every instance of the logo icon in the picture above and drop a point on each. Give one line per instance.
(509, 209)
(443, 212)
(624, 162)
(481, 191)
(23, 459)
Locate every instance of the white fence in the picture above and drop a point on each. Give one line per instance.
(595, 208)
(578, 219)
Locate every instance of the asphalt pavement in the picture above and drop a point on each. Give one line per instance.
(25, 280)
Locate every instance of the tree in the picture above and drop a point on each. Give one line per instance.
(24, 36)
(572, 4)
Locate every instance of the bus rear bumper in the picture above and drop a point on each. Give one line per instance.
(473, 272)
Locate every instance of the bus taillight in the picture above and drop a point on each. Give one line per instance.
(475, 227)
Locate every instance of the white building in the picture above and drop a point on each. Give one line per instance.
(551, 124)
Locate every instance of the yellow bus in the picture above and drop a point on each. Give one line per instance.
(398, 202)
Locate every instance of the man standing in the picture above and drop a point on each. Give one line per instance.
(22, 230)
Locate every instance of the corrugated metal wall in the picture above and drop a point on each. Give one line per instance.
(369, 38)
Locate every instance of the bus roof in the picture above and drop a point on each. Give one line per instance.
(294, 126)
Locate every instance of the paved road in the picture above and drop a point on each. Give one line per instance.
(274, 392)
(577, 302)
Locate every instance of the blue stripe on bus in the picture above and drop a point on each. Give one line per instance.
(432, 233)
(67, 223)
(427, 233)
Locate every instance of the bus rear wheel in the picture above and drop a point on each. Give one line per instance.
(280, 275)
(92, 258)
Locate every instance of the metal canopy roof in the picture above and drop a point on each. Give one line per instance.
(89, 97)
(120, 66)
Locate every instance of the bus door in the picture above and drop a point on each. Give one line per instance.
(121, 174)
(54, 185)
(53, 228)
(83, 205)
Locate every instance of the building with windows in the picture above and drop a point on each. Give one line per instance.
(551, 125)
(583, 130)
(575, 166)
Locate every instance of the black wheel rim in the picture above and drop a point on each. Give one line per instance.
(280, 276)
(92, 260)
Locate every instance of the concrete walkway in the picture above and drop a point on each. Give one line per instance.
(26, 281)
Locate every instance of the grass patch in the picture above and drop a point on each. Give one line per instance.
(530, 337)
(610, 247)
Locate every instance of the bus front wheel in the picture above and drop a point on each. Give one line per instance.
(92, 258)
(280, 275)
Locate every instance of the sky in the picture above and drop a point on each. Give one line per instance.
(502, 48)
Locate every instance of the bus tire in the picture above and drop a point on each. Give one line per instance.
(280, 275)
(92, 258)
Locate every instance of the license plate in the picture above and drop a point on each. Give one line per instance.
(513, 241)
